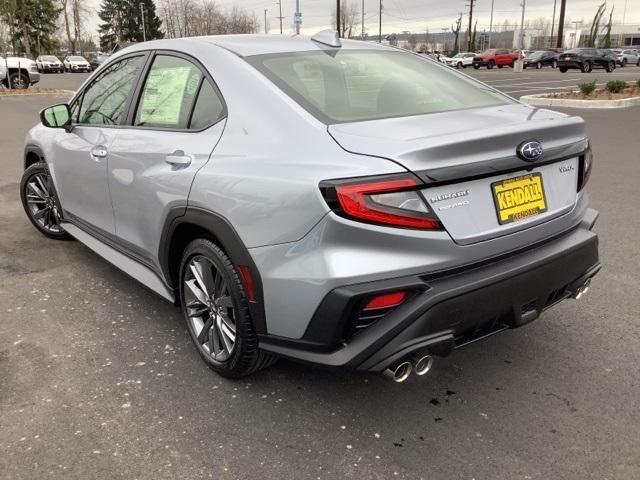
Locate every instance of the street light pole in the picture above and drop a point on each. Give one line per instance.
(380, 24)
(521, 43)
(297, 15)
(490, 25)
(362, 28)
(144, 33)
(553, 21)
(265, 21)
(338, 18)
(279, 3)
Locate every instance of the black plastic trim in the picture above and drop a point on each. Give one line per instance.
(228, 239)
(457, 304)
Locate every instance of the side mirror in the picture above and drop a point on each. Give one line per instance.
(57, 116)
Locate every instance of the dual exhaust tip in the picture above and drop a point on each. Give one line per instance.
(420, 364)
(582, 289)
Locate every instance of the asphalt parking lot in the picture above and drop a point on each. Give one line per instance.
(545, 80)
(98, 377)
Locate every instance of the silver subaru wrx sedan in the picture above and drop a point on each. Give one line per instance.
(331, 201)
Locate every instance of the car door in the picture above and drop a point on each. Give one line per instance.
(80, 157)
(177, 122)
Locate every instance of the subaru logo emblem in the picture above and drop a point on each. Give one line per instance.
(530, 150)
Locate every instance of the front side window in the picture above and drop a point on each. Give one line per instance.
(105, 99)
(169, 93)
(356, 85)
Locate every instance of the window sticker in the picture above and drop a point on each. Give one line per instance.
(163, 95)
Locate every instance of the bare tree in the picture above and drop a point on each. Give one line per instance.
(595, 25)
(456, 34)
(186, 18)
(349, 14)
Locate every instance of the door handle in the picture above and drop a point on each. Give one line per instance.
(178, 159)
(99, 152)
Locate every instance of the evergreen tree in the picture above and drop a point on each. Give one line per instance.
(122, 22)
(32, 24)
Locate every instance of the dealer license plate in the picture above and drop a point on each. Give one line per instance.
(519, 198)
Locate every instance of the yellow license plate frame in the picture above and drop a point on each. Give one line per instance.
(519, 198)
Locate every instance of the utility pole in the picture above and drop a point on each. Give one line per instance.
(338, 18)
(553, 21)
(380, 24)
(624, 17)
(362, 28)
(563, 6)
(296, 17)
(144, 33)
(490, 25)
(521, 40)
(471, 2)
(279, 3)
(265, 21)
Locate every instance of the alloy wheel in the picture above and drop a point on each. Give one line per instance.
(42, 204)
(209, 308)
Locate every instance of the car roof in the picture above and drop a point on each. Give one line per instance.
(245, 45)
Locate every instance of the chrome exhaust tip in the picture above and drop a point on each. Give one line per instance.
(582, 290)
(422, 364)
(399, 372)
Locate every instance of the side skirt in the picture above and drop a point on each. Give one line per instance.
(136, 270)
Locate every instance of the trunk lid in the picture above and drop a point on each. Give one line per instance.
(463, 155)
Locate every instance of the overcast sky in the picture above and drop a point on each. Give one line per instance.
(418, 15)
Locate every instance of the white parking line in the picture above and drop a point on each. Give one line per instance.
(543, 89)
(535, 83)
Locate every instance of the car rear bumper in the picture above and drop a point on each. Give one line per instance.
(449, 309)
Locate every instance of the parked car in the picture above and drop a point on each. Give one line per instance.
(586, 59)
(97, 60)
(459, 60)
(49, 63)
(495, 57)
(76, 63)
(626, 57)
(382, 219)
(18, 72)
(541, 58)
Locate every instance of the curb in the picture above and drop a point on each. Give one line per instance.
(541, 100)
(37, 94)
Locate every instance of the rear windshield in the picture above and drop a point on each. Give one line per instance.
(77, 59)
(356, 85)
(49, 58)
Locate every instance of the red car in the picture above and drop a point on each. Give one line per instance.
(495, 57)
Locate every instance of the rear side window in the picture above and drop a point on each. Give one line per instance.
(104, 100)
(208, 109)
(355, 85)
(169, 93)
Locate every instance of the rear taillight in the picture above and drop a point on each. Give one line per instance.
(586, 165)
(393, 200)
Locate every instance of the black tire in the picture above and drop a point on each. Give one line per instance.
(586, 66)
(19, 81)
(459, 65)
(33, 203)
(490, 64)
(476, 66)
(563, 69)
(623, 63)
(610, 67)
(245, 357)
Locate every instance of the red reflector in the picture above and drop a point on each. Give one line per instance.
(247, 279)
(386, 300)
